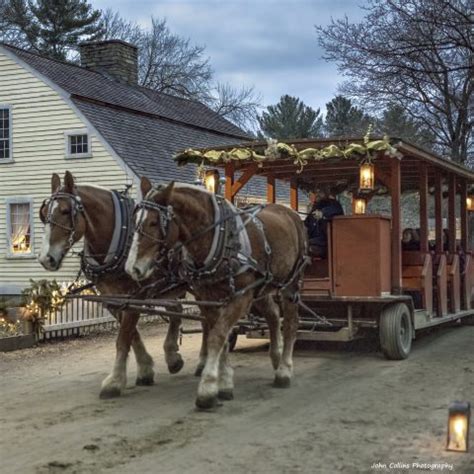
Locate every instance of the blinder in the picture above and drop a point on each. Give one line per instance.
(44, 204)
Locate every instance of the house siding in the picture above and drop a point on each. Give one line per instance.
(40, 117)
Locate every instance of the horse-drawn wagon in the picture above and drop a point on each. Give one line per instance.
(359, 279)
(368, 281)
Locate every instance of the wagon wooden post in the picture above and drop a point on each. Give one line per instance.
(454, 274)
(452, 214)
(439, 212)
(463, 217)
(294, 194)
(441, 271)
(271, 191)
(395, 185)
(229, 181)
(424, 247)
(466, 276)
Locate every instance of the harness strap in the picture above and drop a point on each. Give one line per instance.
(117, 252)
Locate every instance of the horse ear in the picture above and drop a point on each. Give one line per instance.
(68, 182)
(145, 185)
(55, 183)
(168, 191)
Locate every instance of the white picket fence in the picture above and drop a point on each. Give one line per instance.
(79, 317)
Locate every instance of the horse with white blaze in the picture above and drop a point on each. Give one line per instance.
(104, 219)
(240, 258)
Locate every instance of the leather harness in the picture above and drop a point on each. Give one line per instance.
(230, 252)
(114, 259)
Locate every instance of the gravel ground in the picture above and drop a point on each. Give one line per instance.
(347, 410)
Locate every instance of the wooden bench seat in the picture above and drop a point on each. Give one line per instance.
(441, 284)
(417, 276)
(317, 277)
(467, 282)
(454, 283)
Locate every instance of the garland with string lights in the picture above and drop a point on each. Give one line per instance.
(275, 150)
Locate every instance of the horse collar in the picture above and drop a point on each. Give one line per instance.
(120, 243)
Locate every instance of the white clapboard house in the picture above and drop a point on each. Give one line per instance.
(94, 120)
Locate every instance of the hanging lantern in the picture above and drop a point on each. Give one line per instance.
(359, 205)
(470, 202)
(458, 426)
(367, 176)
(211, 181)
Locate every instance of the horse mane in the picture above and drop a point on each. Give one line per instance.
(183, 198)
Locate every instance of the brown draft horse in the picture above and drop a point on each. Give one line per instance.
(86, 211)
(180, 216)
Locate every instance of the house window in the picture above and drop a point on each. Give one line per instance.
(5, 133)
(19, 227)
(78, 144)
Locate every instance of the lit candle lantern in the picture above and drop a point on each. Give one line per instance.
(211, 181)
(367, 177)
(470, 203)
(458, 426)
(359, 205)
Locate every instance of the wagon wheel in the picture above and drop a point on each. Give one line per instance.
(232, 340)
(396, 331)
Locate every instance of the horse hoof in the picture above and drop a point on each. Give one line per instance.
(110, 392)
(198, 371)
(206, 403)
(145, 381)
(176, 367)
(282, 382)
(226, 394)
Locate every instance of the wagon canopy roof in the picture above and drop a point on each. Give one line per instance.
(325, 160)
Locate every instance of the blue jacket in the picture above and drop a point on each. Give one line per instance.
(317, 228)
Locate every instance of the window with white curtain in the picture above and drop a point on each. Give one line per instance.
(19, 227)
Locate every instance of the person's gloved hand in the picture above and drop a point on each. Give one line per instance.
(317, 214)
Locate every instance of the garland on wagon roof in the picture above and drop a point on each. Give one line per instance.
(278, 150)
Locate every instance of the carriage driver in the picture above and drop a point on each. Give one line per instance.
(324, 208)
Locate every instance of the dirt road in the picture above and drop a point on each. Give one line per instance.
(347, 409)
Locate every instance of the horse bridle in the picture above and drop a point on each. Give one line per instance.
(166, 216)
(76, 208)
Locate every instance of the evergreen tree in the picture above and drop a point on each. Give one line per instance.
(50, 27)
(291, 118)
(395, 122)
(343, 119)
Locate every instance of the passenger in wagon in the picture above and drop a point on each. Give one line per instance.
(325, 207)
(411, 239)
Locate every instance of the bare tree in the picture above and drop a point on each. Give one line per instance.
(240, 106)
(116, 27)
(416, 54)
(171, 64)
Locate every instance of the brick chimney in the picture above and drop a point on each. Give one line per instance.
(114, 58)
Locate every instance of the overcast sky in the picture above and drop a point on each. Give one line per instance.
(270, 44)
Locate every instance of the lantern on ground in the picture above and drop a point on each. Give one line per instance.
(211, 181)
(359, 205)
(458, 426)
(367, 176)
(470, 202)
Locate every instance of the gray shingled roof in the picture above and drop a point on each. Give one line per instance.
(149, 143)
(144, 127)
